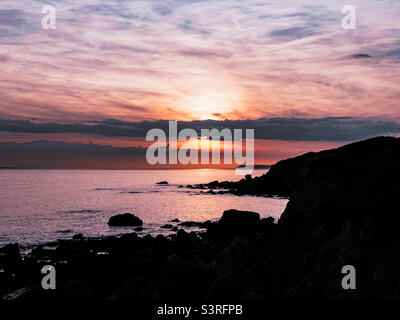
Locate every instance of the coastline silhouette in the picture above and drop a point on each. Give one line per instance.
(343, 210)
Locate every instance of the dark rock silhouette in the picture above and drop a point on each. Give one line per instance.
(162, 183)
(10, 257)
(343, 210)
(287, 176)
(167, 226)
(194, 224)
(78, 236)
(234, 223)
(125, 220)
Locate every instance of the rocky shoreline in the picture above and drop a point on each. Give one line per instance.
(343, 210)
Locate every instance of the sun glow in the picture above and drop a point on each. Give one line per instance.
(211, 105)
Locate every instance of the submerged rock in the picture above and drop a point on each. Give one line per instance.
(193, 224)
(125, 220)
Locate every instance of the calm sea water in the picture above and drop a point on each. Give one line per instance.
(45, 205)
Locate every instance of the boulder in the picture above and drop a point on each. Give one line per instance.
(125, 220)
(234, 223)
(240, 219)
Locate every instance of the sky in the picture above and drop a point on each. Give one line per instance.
(286, 67)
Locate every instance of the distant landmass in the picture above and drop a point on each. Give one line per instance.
(257, 166)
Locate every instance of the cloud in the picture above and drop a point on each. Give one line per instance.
(293, 33)
(53, 154)
(392, 53)
(12, 18)
(289, 129)
(205, 53)
(186, 52)
(360, 56)
(46, 146)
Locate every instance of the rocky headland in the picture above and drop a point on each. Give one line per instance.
(344, 209)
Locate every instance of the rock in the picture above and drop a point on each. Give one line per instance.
(132, 289)
(234, 223)
(10, 249)
(228, 287)
(213, 184)
(266, 224)
(129, 237)
(192, 224)
(78, 236)
(125, 220)
(254, 297)
(162, 183)
(10, 257)
(74, 289)
(185, 240)
(175, 220)
(139, 229)
(238, 255)
(183, 280)
(235, 218)
(167, 226)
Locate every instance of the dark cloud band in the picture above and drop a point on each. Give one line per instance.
(290, 129)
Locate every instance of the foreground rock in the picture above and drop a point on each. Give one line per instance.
(125, 220)
(235, 223)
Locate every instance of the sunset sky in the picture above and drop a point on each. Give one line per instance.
(286, 67)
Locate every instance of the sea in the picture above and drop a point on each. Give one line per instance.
(40, 206)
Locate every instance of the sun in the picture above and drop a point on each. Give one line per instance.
(210, 105)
